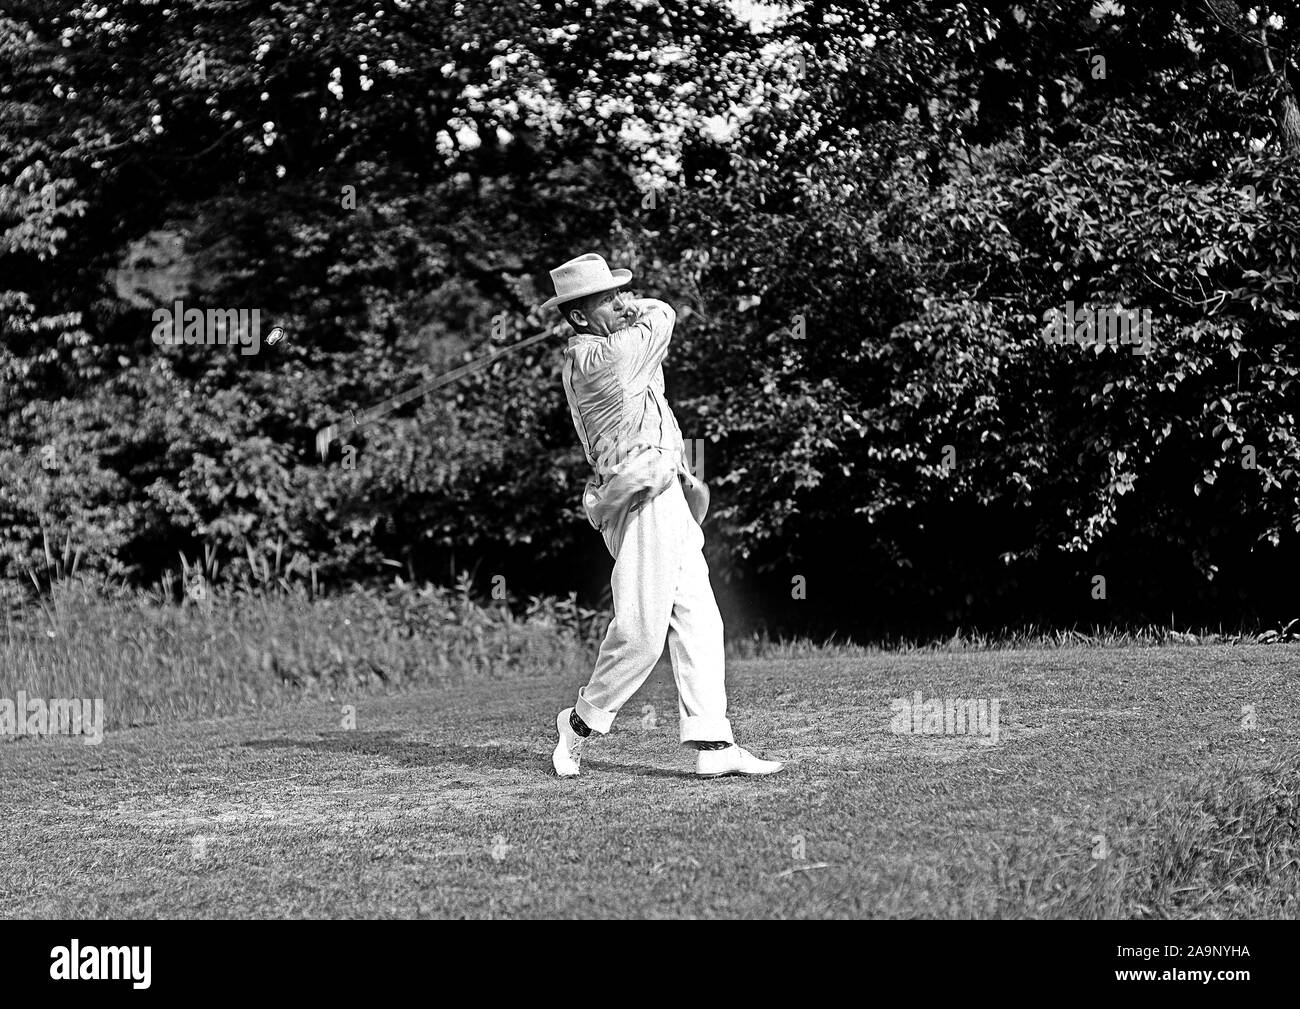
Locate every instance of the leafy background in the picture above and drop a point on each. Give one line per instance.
(863, 212)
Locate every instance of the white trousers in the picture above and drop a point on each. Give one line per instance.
(661, 591)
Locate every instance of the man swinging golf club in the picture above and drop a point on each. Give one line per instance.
(614, 382)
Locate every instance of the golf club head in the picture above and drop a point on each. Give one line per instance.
(324, 437)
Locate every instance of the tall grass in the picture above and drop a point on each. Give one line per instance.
(761, 646)
(1227, 846)
(204, 651)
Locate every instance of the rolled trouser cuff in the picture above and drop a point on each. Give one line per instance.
(704, 729)
(597, 719)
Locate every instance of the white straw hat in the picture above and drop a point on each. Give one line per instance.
(585, 275)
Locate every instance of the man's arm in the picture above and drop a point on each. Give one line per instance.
(639, 349)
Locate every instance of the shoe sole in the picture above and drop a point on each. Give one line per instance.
(740, 774)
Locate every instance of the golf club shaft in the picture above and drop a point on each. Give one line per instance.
(327, 434)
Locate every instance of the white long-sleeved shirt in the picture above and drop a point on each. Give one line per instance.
(615, 388)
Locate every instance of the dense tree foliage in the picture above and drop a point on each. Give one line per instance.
(868, 214)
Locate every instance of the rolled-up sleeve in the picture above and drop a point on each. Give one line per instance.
(638, 350)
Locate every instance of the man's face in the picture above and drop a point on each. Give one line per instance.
(602, 313)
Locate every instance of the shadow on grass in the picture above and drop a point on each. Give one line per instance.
(635, 770)
(396, 746)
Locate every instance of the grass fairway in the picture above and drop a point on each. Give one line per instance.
(442, 802)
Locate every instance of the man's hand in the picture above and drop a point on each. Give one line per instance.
(638, 349)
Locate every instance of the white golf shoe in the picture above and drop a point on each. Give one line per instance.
(568, 751)
(733, 760)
